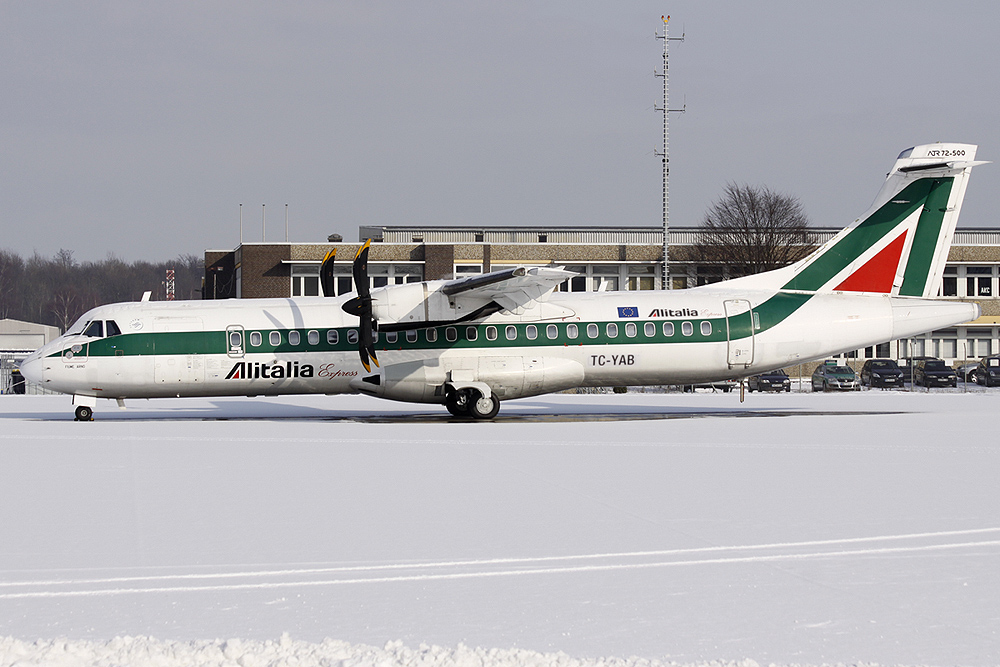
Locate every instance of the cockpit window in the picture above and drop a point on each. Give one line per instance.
(113, 329)
(78, 327)
(95, 329)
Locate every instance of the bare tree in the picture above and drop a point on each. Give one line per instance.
(753, 229)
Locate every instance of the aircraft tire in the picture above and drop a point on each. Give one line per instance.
(458, 403)
(484, 408)
(84, 413)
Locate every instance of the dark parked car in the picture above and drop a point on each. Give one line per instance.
(934, 373)
(881, 373)
(907, 365)
(987, 373)
(830, 376)
(773, 381)
(965, 371)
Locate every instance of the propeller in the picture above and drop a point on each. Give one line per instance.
(326, 279)
(361, 306)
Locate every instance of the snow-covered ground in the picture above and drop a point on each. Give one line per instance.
(791, 528)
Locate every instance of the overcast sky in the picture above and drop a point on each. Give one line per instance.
(137, 129)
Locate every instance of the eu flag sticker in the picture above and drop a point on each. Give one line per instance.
(628, 311)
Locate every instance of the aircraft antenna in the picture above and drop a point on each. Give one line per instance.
(663, 152)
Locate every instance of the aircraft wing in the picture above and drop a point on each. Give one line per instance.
(438, 302)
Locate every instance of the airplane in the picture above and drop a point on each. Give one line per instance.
(474, 342)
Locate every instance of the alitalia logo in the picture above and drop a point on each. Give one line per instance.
(665, 312)
(243, 370)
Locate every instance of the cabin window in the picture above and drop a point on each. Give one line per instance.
(391, 336)
(649, 329)
(374, 336)
(95, 330)
(687, 328)
(312, 337)
(113, 329)
(235, 340)
(431, 335)
(511, 332)
(256, 339)
(706, 328)
(572, 331)
(274, 338)
(471, 333)
(531, 331)
(332, 337)
(668, 329)
(491, 333)
(630, 329)
(552, 331)
(451, 334)
(611, 330)
(294, 338)
(352, 336)
(411, 336)
(592, 330)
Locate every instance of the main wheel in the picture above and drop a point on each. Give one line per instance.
(84, 413)
(458, 403)
(481, 407)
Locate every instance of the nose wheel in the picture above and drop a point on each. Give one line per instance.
(84, 413)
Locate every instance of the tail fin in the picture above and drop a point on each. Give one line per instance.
(901, 244)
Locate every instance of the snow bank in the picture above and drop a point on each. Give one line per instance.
(286, 651)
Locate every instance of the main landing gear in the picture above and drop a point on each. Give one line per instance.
(471, 403)
(84, 413)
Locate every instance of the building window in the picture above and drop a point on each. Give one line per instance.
(949, 283)
(979, 281)
(641, 277)
(305, 280)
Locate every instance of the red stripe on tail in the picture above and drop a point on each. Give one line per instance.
(877, 273)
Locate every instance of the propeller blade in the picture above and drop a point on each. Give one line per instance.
(361, 306)
(326, 279)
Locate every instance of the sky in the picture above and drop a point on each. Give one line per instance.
(138, 129)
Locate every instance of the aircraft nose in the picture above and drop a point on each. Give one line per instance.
(31, 368)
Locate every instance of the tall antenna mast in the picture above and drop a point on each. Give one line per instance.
(663, 153)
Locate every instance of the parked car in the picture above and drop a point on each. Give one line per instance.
(725, 386)
(908, 364)
(881, 373)
(934, 373)
(773, 381)
(829, 376)
(987, 371)
(965, 371)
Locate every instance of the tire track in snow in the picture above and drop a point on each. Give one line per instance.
(486, 568)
